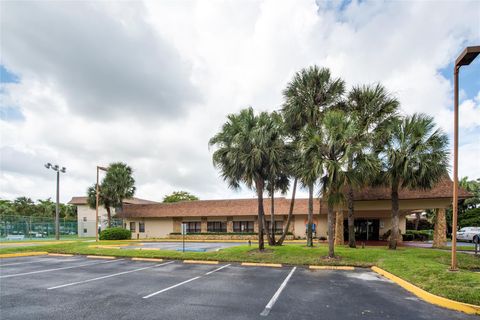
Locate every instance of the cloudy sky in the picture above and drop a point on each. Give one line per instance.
(148, 83)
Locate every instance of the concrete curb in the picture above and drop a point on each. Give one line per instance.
(255, 264)
(331, 268)
(148, 259)
(60, 255)
(102, 257)
(429, 297)
(201, 261)
(23, 254)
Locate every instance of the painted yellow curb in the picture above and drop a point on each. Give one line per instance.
(429, 297)
(200, 261)
(101, 257)
(254, 264)
(147, 259)
(23, 254)
(60, 255)
(331, 268)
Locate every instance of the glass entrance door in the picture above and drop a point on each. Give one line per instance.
(365, 229)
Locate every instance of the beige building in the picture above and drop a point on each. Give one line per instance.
(86, 216)
(239, 216)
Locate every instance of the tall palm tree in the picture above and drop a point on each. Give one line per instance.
(371, 108)
(102, 200)
(414, 156)
(246, 151)
(307, 96)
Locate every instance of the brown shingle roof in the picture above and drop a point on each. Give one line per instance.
(83, 200)
(247, 207)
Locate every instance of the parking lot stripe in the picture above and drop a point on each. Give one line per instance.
(184, 282)
(274, 299)
(56, 269)
(108, 276)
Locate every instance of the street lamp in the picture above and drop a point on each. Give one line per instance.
(96, 202)
(465, 58)
(57, 212)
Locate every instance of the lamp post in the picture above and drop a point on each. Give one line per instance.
(57, 211)
(96, 201)
(465, 58)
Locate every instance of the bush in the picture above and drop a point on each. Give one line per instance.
(115, 234)
(420, 235)
(470, 218)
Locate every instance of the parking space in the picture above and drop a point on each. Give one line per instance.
(189, 246)
(78, 288)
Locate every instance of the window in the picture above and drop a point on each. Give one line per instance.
(84, 219)
(278, 226)
(193, 227)
(132, 226)
(85, 230)
(141, 227)
(242, 226)
(217, 226)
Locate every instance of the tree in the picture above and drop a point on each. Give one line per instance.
(244, 155)
(371, 108)
(117, 185)
(308, 95)
(414, 156)
(178, 196)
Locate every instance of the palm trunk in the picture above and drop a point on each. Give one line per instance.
(417, 219)
(261, 214)
(272, 216)
(395, 212)
(331, 231)
(290, 214)
(109, 216)
(310, 217)
(351, 218)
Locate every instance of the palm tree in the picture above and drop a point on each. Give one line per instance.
(310, 93)
(371, 108)
(414, 156)
(247, 151)
(102, 200)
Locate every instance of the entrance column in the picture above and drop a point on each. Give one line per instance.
(440, 229)
(339, 240)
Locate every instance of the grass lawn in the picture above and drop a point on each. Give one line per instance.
(425, 268)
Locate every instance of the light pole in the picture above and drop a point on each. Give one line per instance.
(57, 211)
(465, 58)
(96, 201)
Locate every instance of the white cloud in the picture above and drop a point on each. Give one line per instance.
(150, 83)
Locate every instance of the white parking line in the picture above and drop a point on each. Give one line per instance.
(38, 260)
(186, 281)
(108, 276)
(272, 301)
(56, 269)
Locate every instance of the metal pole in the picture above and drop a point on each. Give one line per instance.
(96, 210)
(57, 213)
(453, 266)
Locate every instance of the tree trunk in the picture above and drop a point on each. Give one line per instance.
(290, 214)
(351, 218)
(310, 217)
(261, 214)
(109, 217)
(339, 239)
(331, 232)
(395, 212)
(417, 219)
(440, 229)
(272, 216)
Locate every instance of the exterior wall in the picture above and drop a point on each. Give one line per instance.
(84, 212)
(154, 227)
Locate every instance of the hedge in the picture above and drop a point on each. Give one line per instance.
(115, 234)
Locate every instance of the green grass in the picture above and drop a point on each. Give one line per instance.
(425, 268)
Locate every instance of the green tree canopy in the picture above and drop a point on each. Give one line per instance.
(178, 196)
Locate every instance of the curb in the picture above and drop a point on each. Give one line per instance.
(201, 261)
(60, 255)
(147, 259)
(23, 254)
(102, 257)
(254, 264)
(429, 297)
(331, 268)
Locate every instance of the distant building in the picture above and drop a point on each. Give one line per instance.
(86, 215)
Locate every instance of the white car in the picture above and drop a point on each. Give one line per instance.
(468, 233)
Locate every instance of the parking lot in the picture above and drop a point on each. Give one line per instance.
(46, 287)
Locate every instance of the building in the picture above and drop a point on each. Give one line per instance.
(86, 215)
(237, 216)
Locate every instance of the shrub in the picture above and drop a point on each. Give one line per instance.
(420, 235)
(115, 234)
